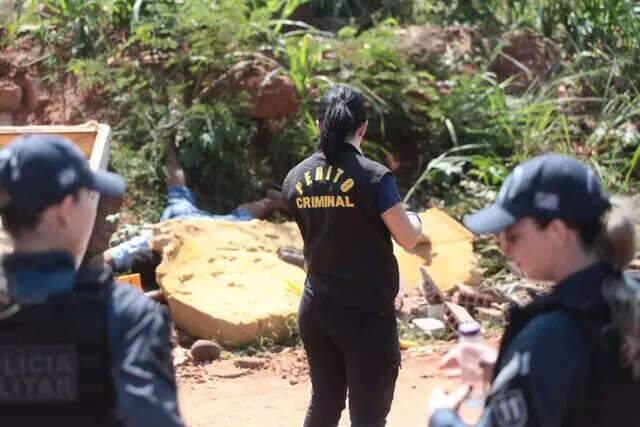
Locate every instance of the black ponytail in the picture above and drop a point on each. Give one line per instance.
(341, 113)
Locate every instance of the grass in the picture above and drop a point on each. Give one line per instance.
(166, 61)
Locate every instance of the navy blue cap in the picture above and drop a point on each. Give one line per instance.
(37, 171)
(546, 187)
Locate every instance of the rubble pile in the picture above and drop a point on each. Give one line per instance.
(193, 361)
(433, 311)
(451, 259)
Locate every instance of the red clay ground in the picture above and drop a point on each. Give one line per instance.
(276, 393)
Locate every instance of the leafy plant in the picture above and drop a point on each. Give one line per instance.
(214, 147)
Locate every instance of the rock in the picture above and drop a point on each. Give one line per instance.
(184, 340)
(490, 315)
(411, 305)
(224, 280)
(271, 95)
(452, 260)
(180, 356)
(432, 327)
(426, 46)
(10, 96)
(249, 363)
(454, 315)
(525, 56)
(29, 93)
(205, 351)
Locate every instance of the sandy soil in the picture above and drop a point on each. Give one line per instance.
(273, 390)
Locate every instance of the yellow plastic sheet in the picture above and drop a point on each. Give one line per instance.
(453, 260)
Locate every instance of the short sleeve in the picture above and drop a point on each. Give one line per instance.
(388, 194)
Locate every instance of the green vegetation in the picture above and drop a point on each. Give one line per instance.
(494, 83)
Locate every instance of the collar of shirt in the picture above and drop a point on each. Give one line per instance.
(353, 147)
(34, 277)
(580, 290)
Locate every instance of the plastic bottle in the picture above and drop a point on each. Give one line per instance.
(470, 344)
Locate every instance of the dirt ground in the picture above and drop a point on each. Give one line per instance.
(274, 390)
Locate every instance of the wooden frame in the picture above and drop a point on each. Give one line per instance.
(92, 138)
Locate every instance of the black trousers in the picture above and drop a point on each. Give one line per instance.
(348, 349)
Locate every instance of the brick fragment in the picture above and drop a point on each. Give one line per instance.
(431, 291)
(471, 298)
(454, 315)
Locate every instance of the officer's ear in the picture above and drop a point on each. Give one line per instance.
(558, 233)
(63, 211)
(362, 129)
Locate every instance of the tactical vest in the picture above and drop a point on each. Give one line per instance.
(613, 396)
(347, 246)
(54, 360)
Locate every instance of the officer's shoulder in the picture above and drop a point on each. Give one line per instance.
(553, 327)
(375, 169)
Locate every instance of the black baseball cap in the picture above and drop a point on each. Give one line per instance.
(547, 187)
(37, 171)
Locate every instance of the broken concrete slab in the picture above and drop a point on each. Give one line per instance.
(490, 315)
(224, 280)
(432, 327)
(436, 311)
(451, 260)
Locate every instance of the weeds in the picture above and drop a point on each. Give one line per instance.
(154, 59)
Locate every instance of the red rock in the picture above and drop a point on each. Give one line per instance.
(205, 351)
(525, 56)
(10, 96)
(271, 95)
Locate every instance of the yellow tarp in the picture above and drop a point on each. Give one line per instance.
(453, 260)
(224, 280)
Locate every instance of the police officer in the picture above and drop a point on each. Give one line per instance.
(75, 349)
(569, 358)
(347, 208)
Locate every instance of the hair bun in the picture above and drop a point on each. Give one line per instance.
(621, 236)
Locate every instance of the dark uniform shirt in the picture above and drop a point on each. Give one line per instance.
(551, 370)
(141, 362)
(347, 246)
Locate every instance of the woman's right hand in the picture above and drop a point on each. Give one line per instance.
(450, 362)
